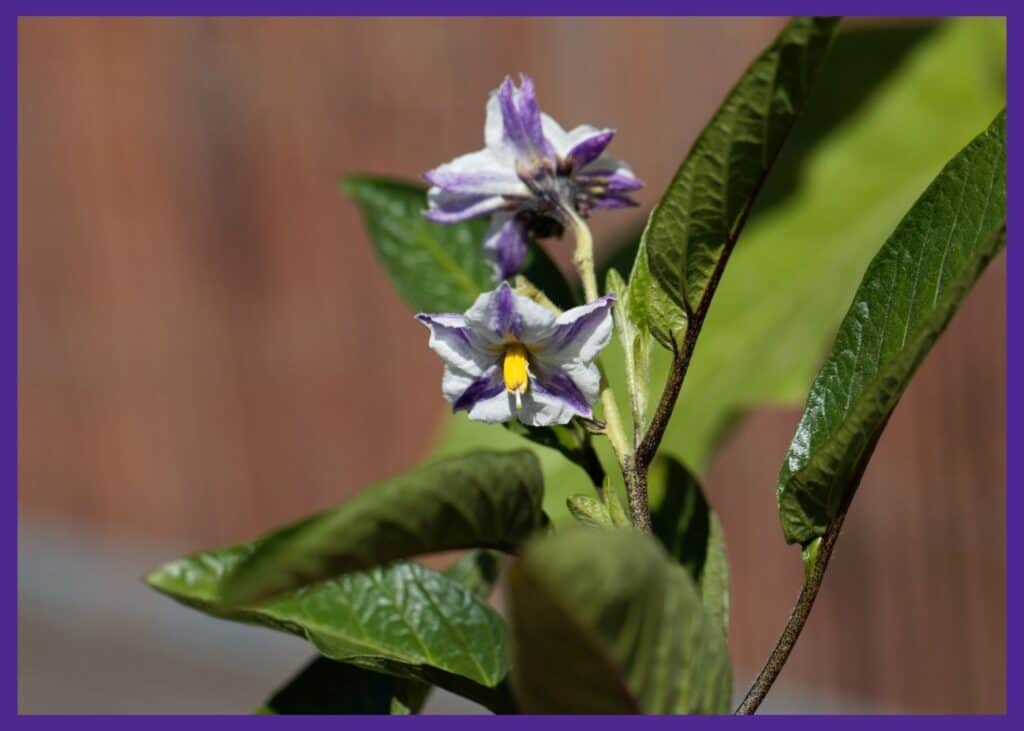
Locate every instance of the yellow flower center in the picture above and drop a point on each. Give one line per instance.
(516, 369)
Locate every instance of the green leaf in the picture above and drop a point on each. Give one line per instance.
(603, 621)
(327, 687)
(907, 297)
(485, 500)
(435, 267)
(403, 620)
(692, 229)
(691, 532)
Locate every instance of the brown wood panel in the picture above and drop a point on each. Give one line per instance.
(207, 347)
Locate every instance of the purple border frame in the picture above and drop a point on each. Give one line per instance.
(1014, 307)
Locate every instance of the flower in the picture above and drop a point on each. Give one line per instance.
(531, 177)
(509, 357)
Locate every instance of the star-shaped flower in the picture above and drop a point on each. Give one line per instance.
(532, 176)
(509, 357)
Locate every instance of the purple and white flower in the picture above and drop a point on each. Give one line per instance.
(509, 357)
(532, 176)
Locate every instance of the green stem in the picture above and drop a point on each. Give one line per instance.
(583, 258)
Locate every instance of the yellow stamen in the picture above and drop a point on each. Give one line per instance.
(516, 370)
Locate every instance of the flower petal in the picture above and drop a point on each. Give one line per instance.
(454, 383)
(553, 398)
(586, 376)
(580, 333)
(520, 115)
(445, 207)
(495, 410)
(485, 398)
(478, 173)
(457, 344)
(505, 245)
(587, 144)
(613, 174)
(479, 392)
(612, 200)
(494, 132)
(506, 314)
(558, 138)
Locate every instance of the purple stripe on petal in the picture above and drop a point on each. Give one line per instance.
(485, 387)
(556, 384)
(521, 118)
(507, 320)
(589, 149)
(506, 245)
(451, 322)
(622, 181)
(566, 334)
(612, 200)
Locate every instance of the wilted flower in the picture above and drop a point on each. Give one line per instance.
(532, 176)
(509, 357)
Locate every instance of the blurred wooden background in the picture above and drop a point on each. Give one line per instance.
(208, 349)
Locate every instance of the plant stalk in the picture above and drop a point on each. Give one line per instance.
(583, 258)
(795, 624)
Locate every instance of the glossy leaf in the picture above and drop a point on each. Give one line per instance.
(403, 620)
(604, 621)
(436, 267)
(692, 228)
(691, 532)
(485, 500)
(907, 297)
(329, 687)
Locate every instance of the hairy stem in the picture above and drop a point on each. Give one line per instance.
(584, 261)
(583, 257)
(795, 624)
(636, 491)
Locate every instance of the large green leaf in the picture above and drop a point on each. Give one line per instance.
(907, 297)
(691, 532)
(696, 221)
(480, 500)
(603, 621)
(772, 320)
(435, 267)
(327, 686)
(403, 620)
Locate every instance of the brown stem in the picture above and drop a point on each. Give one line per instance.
(636, 491)
(795, 624)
